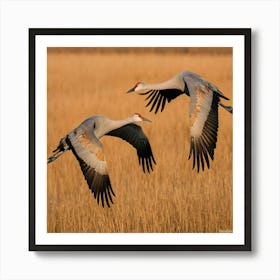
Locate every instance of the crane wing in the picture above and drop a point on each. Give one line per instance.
(89, 152)
(157, 98)
(204, 125)
(134, 135)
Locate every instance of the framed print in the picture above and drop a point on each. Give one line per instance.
(140, 139)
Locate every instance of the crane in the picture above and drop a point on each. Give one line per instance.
(84, 142)
(204, 101)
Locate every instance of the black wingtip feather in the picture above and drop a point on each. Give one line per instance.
(153, 159)
(145, 93)
(147, 165)
(153, 96)
(197, 160)
(150, 163)
(155, 102)
(163, 104)
(150, 95)
(159, 103)
(102, 199)
(143, 164)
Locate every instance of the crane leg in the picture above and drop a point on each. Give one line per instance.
(60, 150)
(228, 108)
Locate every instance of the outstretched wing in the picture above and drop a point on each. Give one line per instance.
(134, 135)
(204, 125)
(89, 152)
(157, 98)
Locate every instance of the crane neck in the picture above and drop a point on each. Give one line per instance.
(115, 124)
(174, 83)
(120, 123)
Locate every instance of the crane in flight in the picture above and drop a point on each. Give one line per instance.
(205, 98)
(84, 142)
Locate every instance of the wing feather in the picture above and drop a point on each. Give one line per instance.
(159, 103)
(204, 126)
(134, 135)
(155, 102)
(159, 97)
(89, 153)
(151, 97)
(151, 93)
(163, 103)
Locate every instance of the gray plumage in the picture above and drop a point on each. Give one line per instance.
(204, 101)
(84, 142)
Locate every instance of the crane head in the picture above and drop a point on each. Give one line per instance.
(137, 86)
(139, 118)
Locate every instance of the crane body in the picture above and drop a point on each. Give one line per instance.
(205, 98)
(84, 142)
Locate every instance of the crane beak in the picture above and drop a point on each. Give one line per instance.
(146, 120)
(131, 90)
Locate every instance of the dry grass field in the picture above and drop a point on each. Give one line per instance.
(173, 198)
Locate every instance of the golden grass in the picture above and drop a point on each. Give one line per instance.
(173, 198)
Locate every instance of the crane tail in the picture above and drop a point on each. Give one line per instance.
(60, 150)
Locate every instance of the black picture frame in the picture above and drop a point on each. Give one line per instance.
(246, 33)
